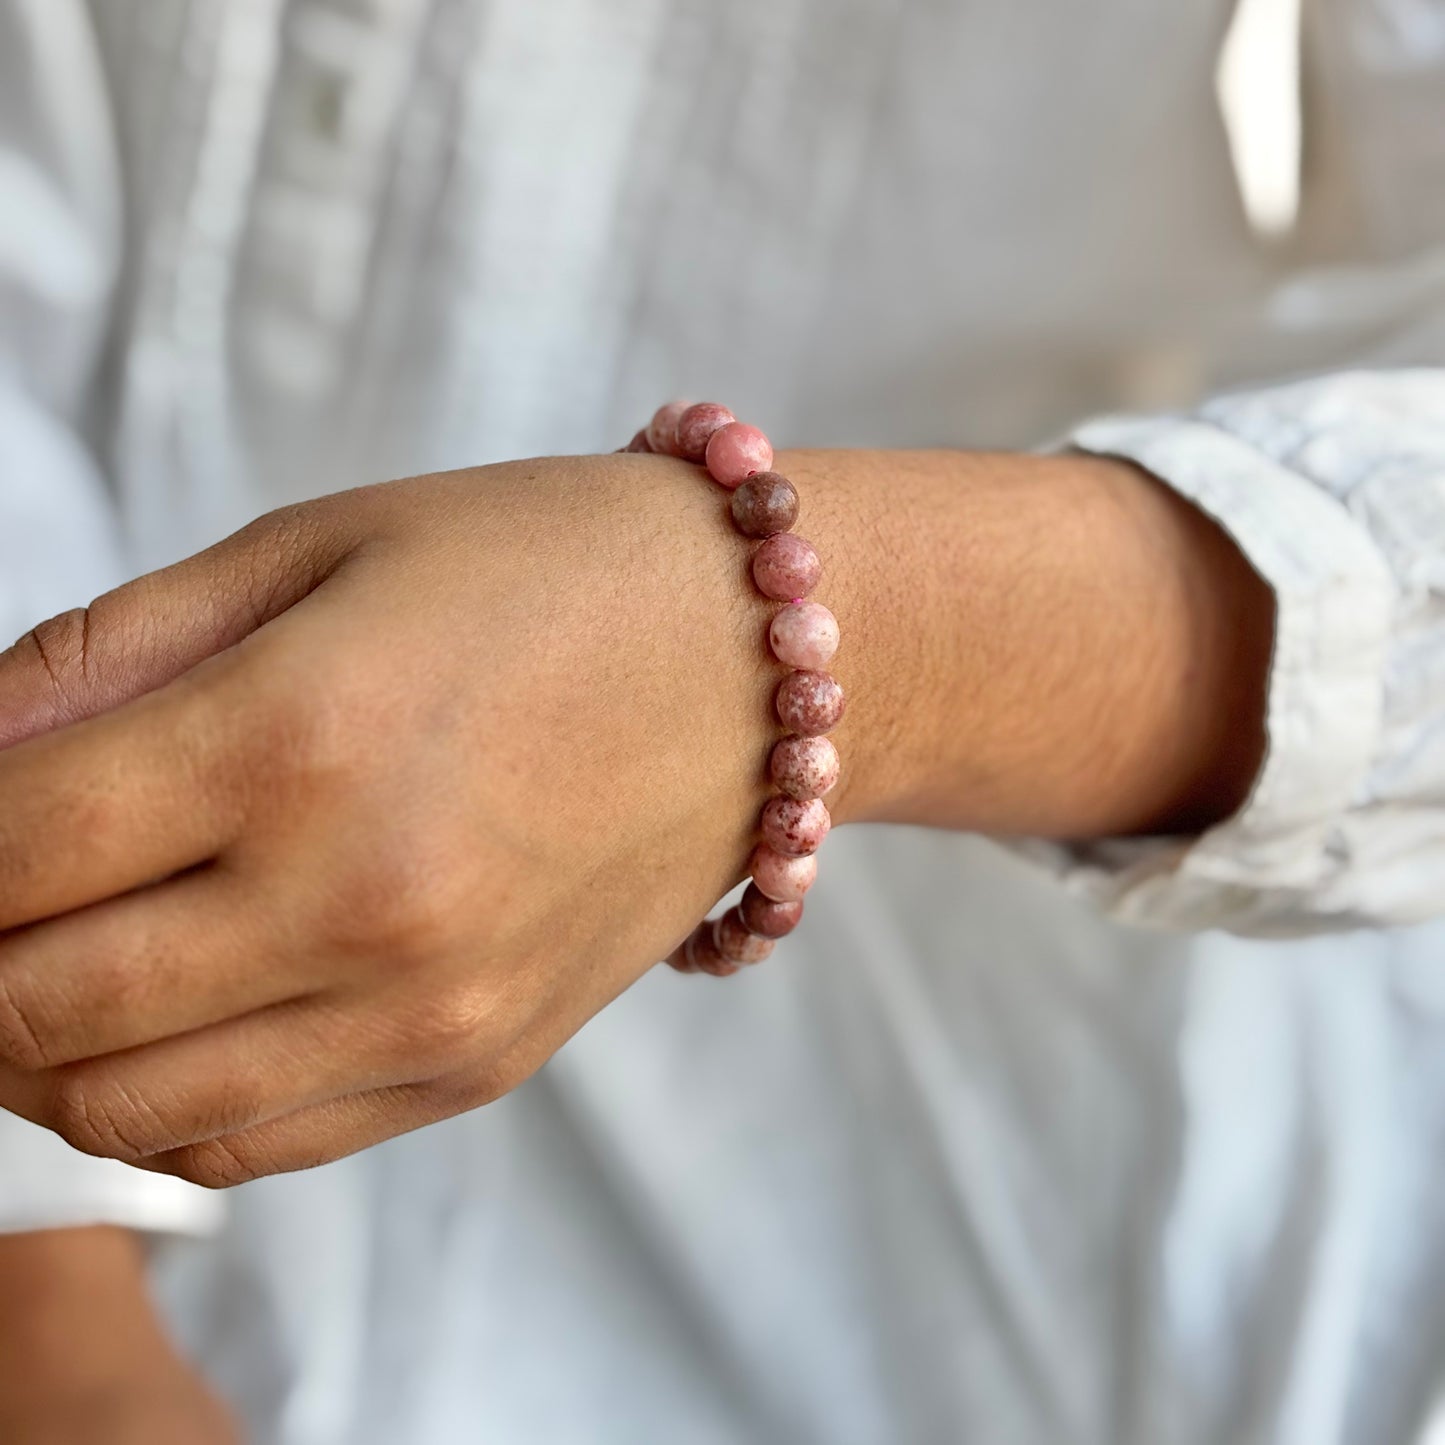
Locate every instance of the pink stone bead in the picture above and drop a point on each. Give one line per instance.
(785, 567)
(805, 767)
(783, 879)
(662, 429)
(696, 426)
(804, 634)
(703, 954)
(810, 703)
(795, 828)
(737, 942)
(762, 915)
(765, 504)
(737, 452)
(639, 443)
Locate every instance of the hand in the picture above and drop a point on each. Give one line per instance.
(172, 1407)
(347, 824)
(83, 1359)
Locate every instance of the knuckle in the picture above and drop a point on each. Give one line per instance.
(397, 906)
(450, 1030)
(22, 1034)
(306, 734)
(219, 1164)
(105, 1121)
(60, 647)
(465, 1090)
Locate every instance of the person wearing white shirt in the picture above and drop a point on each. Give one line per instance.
(973, 1155)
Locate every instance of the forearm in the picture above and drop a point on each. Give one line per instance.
(83, 1355)
(1053, 646)
(72, 1302)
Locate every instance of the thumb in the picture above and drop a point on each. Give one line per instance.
(148, 633)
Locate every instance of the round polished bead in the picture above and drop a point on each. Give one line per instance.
(696, 426)
(783, 879)
(736, 452)
(810, 703)
(805, 768)
(764, 505)
(737, 942)
(763, 916)
(804, 634)
(703, 954)
(662, 429)
(786, 567)
(639, 443)
(793, 827)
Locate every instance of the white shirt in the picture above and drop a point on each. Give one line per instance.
(972, 1158)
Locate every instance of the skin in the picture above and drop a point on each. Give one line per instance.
(83, 1358)
(346, 825)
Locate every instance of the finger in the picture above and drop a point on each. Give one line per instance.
(166, 960)
(120, 801)
(317, 1135)
(152, 631)
(322, 1133)
(230, 1078)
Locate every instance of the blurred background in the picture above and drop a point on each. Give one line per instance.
(978, 1163)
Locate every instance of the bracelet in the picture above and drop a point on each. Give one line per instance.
(804, 636)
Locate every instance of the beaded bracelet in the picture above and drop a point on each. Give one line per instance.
(804, 635)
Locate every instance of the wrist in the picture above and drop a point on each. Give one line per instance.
(1057, 646)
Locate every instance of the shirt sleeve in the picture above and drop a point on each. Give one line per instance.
(1334, 489)
(59, 539)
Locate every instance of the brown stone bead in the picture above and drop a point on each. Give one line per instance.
(783, 879)
(786, 567)
(696, 426)
(705, 956)
(794, 828)
(737, 942)
(810, 703)
(805, 767)
(766, 918)
(765, 505)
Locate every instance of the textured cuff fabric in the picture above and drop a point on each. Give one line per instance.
(45, 1184)
(1335, 491)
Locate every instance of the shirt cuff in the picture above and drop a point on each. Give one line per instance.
(1335, 599)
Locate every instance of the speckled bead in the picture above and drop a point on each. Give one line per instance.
(639, 443)
(783, 879)
(662, 429)
(764, 505)
(810, 703)
(804, 634)
(737, 452)
(763, 916)
(786, 567)
(737, 942)
(703, 954)
(805, 768)
(696, 426)
(795, 828)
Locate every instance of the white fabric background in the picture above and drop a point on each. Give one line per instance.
(971, 1161)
